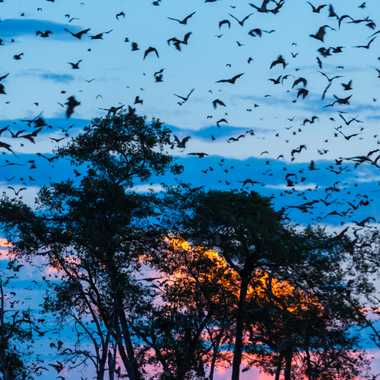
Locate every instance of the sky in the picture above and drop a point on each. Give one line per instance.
(267, 119)
(117, 75)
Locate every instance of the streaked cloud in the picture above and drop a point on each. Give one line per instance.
(23, 27)
(313, 104)
(154, 188)
(48, 75)
(299, 187)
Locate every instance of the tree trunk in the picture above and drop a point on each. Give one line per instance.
(238, 349)
(122, 336)
(102, 360)
(309, 367)
(101, 371)
(184, 361)
(288, 366)
(180, 374)
(111, 364)
(213, 363)
(4, 343)
(279, 368)
(129, 347)
(7, 375)
(124, 356)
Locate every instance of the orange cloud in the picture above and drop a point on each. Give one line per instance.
(5, 245)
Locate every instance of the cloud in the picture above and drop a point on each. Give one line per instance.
(215, 131)
(48, 75)
(373, 118)
(366, 177)
(153, 188)
(313, 104)
(269, 173)
(24, 27)
(61, 78)
(298, 187)
(333, 69)
(28, 195)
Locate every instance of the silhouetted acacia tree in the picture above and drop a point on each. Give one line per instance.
(280, 274)
(16, 330)
(94, 232)
(248, 234)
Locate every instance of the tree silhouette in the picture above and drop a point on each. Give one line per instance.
(183, 328)
(233, 222)
(94, 232)
(279, 276)
(16, 329)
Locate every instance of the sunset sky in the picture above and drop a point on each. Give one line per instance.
(268, 117)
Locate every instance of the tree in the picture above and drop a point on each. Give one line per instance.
(279, 274)
(16, 329)
(304, 337)
(95, 232)
(123, 147)
(247, 233)
(181, 326)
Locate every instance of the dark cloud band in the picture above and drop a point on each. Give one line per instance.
(10, 28)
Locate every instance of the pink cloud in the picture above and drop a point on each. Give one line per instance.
(4, 249)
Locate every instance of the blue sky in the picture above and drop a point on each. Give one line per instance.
(120, 74)
(268, 115)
